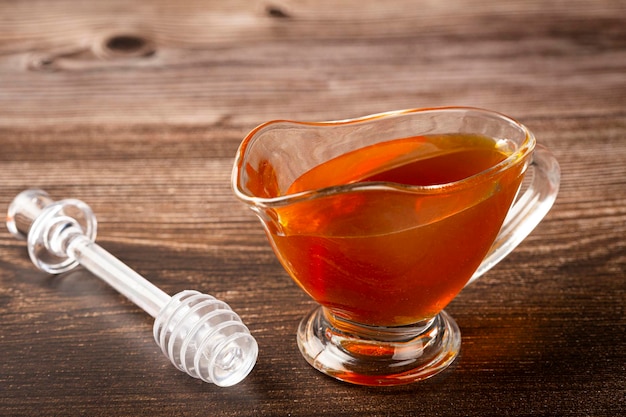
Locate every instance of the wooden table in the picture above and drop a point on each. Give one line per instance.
(137, 108)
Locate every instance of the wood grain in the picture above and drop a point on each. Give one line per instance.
(217, 61)
(138, 107)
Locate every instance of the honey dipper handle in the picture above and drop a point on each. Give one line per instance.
(119, 276)
(61, 235)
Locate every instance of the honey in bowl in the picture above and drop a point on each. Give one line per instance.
(399, 250)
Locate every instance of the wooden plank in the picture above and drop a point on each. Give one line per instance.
(138, 108)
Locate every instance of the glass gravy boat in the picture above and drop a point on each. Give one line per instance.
(384, 219)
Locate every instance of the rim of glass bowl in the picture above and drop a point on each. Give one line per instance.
(520, 155)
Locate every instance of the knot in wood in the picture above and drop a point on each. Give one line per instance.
(126, 46)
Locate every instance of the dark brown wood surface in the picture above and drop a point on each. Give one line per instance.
(137, 108)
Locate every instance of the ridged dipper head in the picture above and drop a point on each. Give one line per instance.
(203, 337)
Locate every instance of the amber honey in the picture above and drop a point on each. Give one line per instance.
(398, 249)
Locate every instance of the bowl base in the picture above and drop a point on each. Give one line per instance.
(378, 356)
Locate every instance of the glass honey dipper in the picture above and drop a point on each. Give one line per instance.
(200, 334)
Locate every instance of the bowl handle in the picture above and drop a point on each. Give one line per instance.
(529, 209)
